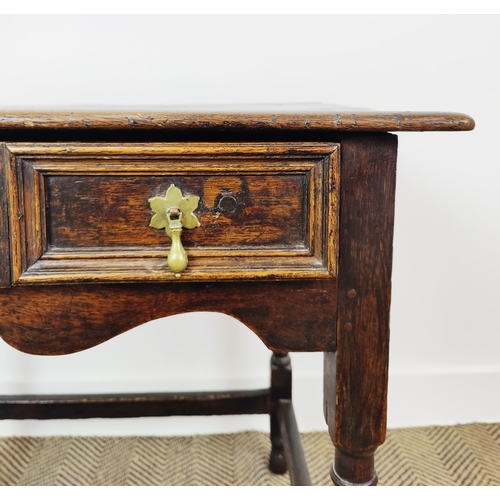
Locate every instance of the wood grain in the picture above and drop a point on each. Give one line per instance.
(327, 120)
(5, 265)
(287, 315)
(360, 365)
(266, 210)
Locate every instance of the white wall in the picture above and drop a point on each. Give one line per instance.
(445, 348)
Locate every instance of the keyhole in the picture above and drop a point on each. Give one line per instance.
(227, 204)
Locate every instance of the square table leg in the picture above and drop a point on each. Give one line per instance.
(356, 374)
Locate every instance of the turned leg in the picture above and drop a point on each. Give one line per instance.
(354, 462)
(281, 388)
(355, 412)
(359, 467)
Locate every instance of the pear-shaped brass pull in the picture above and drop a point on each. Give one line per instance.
(174, 212)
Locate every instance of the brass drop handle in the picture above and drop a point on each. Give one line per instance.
(177, 259)
(173, 213)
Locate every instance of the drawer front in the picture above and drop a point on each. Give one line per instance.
(81, 212)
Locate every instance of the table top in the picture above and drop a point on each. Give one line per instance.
(298, 118)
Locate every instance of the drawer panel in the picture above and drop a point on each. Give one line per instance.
(233, 211)
(81, 212)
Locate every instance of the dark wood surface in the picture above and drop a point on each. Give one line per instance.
(5, 278)
(56, 319)
(43, 407)
(326, 118)
(292, 444)
(281, 389)
(81, 212)
(357, 400)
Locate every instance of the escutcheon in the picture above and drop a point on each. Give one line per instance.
(173, 213)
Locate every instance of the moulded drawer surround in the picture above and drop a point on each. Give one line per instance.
(80, 212)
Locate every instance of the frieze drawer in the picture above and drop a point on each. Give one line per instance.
(83, 212)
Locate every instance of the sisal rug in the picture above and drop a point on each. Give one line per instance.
(458, 455)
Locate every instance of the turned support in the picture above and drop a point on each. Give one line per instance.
(359, 467)
(281, 388)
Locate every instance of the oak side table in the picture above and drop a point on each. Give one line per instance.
(281, 220)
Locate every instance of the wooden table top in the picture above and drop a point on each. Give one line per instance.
(319, 118)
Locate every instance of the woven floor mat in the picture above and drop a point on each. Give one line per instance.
(458, 455)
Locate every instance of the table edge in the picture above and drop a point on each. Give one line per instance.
(342, 121)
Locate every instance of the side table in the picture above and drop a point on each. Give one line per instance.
(282, 220)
